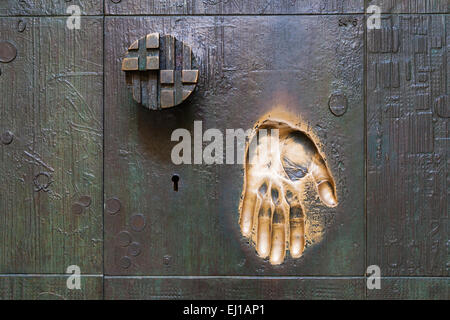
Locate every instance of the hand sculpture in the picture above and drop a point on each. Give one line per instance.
(278, 160)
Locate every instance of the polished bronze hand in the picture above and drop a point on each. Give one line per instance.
(279, 159)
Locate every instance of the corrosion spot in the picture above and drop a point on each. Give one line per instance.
(85, 201)
(137, 222)
(77, 209)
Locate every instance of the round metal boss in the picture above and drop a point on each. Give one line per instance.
(8, 51)
(160, 70)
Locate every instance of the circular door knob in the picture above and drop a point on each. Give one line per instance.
(161, 71)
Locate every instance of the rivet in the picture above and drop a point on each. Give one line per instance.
(337, 104)
(124, 238)
(77, 209)
(134, 249)
(21, 26)
(113, 206)
(85, 201)
(7, 137)
(166, 260)
(137, 222)
(8, 51)
(125, 262)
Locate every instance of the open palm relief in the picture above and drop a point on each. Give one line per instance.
(281, 161)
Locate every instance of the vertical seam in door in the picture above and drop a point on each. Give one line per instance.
(365, 77)
(103, 155)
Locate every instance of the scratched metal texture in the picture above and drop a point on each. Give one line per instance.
(411, 6)
(408, 145)
(51, 100)
(297, 62)
(52, 103)
(48, 7)
(230, 7)
(306, 288)
(414, 288)
(51, 287)
(136, 288)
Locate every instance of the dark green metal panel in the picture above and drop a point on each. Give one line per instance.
(234, 288)
(253, 55)
(416, 288)
(51, 103)
(35, 287)
(408, 148)
(296, 63)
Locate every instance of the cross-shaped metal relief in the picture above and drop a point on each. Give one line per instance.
(160, 71)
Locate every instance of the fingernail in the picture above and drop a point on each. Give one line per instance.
(326, 193)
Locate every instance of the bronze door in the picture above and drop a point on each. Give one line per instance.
(88, 177)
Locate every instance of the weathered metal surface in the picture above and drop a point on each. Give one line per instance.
(162, 219)
(160, 71)
(416, 288)
(218, 7)
(49, 7)
(234, 288)
(412, 6)
(49, 288)
(52, 146)
(195, 230)
(408, 145)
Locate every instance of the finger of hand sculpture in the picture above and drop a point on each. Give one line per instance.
(279, 158)
(296, 225)
(264, 221)
(278, 244)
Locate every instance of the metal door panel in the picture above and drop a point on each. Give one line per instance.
(253, 56)
(48, 7)
(414, 288)
(223, 7)
(235, 288)
(50, 287)
(412, 6)
(51, 103)
(408, 149)
(248, 66)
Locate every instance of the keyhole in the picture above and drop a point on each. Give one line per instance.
(175, 179)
